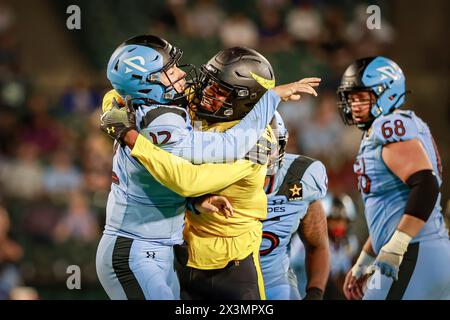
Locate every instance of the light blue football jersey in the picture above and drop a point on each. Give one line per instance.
(300, 181)
(383, 193)
(138, 206)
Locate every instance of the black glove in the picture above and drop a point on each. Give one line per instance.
(117, 121)
(313, 293)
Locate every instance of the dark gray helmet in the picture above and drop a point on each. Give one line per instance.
(243, 74)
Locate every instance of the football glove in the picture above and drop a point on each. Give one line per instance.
(362, 265)
(391, 254)
(117, 121)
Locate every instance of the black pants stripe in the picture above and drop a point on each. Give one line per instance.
(405, 273)
(120, 261)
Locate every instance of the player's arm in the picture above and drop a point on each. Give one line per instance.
(404, 155)
(410, 163)
(313, 232)
(175, 173)
(236, 142)
(183, 177)
(313, 228)
(246, 133)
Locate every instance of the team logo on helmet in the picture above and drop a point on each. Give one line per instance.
(388, 71)
(134, 65)
(266, 83)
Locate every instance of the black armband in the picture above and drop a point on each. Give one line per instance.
(313, 293)
(423, 195)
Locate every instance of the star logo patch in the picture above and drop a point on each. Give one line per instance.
(296, 192)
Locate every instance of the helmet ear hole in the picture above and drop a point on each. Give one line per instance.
(253, 95)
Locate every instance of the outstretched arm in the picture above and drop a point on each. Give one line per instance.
(234, 143)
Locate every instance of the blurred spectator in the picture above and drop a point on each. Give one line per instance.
(304, 23)
(13, 92)
(96, 160)
(204, 19)
(273, 36)
(238, 30)
(296, 113)
(21, 177)
(271, 4)
(8, 53)
(42, 130)
(40, 220)
(80, 98)
(320, 137)
(175, 15)
(62, 176)
(333, 31)
(79, 223)
(7, 17)
(10, 254)
(9, 122)
(12, 86)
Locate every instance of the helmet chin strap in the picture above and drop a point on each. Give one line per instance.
(364, 126)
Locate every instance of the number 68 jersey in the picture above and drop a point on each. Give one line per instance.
(383, 193)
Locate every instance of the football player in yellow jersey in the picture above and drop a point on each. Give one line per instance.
(223, 252)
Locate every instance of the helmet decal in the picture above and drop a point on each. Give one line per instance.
(388, 71)
(266, 83)
(132, 64)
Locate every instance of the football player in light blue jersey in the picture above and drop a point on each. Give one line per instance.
(144, 219)
(407, 254)
(294, 185)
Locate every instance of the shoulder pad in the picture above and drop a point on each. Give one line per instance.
(395, 127)
(154, 113)
(291, 186)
